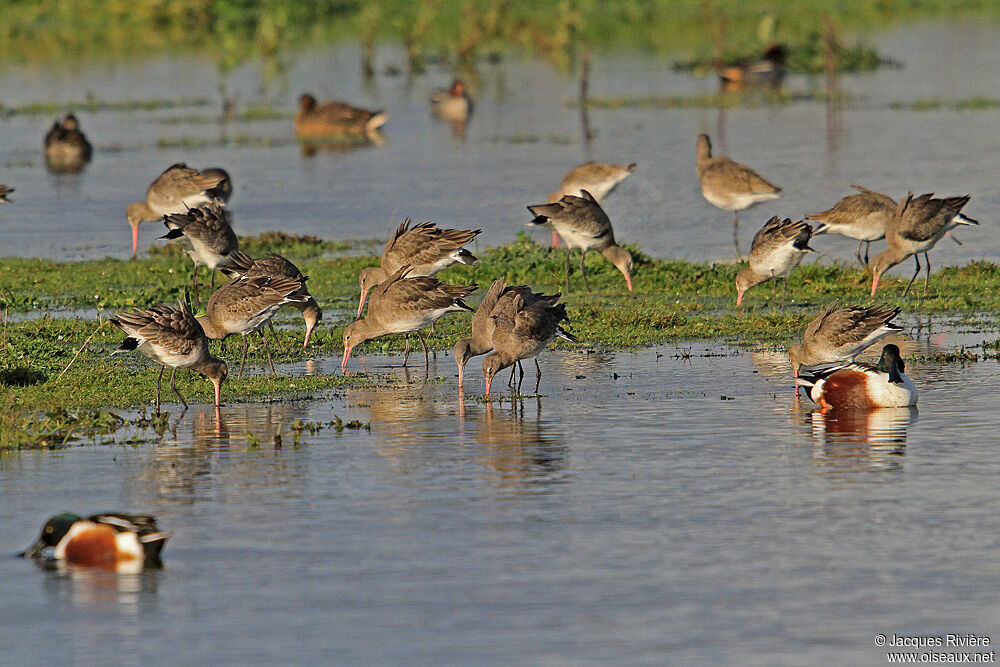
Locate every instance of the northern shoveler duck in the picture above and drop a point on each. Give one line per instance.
(730, 185)
(335, 119)
(424, 248)
(173, 338)
(522, 332)
(5, 192)
(176, 190)
(276, 266)
(246, 305)
(453, 105)
(66, 147)
(210, 236)
(860, 387)
(483, 324)
(582, 223)
(840, 334)
(597, 178)
(776, 250)
(915, 228)
(863, 216)
(766, 72)
(404, 305)
(111, 540)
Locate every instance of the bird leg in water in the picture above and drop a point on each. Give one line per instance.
(173, 372)
(406, 349)
(423, 344)
(538, 377)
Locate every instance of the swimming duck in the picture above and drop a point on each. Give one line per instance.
(860, 387)
(111, 540)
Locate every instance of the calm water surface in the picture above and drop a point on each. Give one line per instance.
(662, 505)
(647, 507)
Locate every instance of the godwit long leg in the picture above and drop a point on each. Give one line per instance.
(267, 350)
(583, 268)
(916, 258)
(423, 344)
(173, 373)
(243, 359)
(159, 379)
(538, 375)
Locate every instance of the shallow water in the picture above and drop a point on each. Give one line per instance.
(521, 140)
(671, 504)
(667, 504)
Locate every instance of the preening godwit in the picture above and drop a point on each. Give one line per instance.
(176, 190)
(522, 332)
(211, 238)
(916, 226)
(404, 305)
(483, 323)
(5, 192)
(597, 178)
(840, 334)
(860, 387)
(66, 147)
(224, 190)
(115, 541)
(730, 185)
(582, 223)
(425, 248)
(776, 250)
(863, 216)
(334, 119)
(276, 266)
(246, 305)
(173, 338)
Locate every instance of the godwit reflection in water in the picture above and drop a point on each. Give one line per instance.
(859, 440)
(515, 444)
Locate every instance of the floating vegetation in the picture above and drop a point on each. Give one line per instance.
(809, 57)
(934, 104)
(49, 108)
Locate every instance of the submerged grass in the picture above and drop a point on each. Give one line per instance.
(673, 300)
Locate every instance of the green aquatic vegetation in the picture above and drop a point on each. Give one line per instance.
(934, 104)
(807, 57)
(95, 105)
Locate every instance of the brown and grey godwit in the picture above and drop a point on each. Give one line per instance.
(211, 238)
(276, 266)
(583, 224)
(404, 305)
(483, 323)
(522, 332)
(915, 228)
(173, 338)
(776, 250)
(425, 248)
(335, 119)
(247, 304)
(840, 334)
(730, 185)
(5, 192)
(863, 216)
(597, 178)
(176, 190)
(66, 147)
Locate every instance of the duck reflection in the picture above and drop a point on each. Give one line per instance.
(861, 440)
(311, 147)
(100, 590)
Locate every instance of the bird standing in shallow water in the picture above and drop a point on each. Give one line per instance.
(859, 387)
(404, 305)
(173, 338)
(776, 250)
(730, 185)
(115, 541)
(582, 223)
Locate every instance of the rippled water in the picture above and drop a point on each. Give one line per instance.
(665, 505)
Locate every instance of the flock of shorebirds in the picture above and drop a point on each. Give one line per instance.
(512, 323)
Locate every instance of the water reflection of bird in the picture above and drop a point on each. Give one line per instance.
(767, 72)
(863, 216)
(66, 147)
(517, 446)
(176, 190)
(917, 225)
(730, 185)
(859, 441)
(777, 248)
(860, 387)
(453, 105)
(597, 178)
